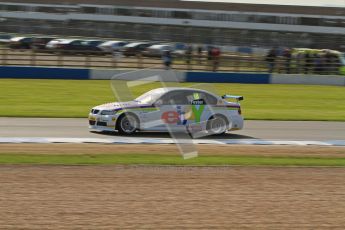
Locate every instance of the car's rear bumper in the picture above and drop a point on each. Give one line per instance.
(237, 123)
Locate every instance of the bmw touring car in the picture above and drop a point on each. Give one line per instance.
(170, 109)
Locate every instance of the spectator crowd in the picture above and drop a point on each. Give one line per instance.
(213, 57)
(303, 61)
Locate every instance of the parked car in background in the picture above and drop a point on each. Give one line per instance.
(135, 48)
(77, 46)
(91, 45)
(39, 43)
(5, 38)
(180, 49)
(20, 43)
(53, 44)
(157, 50)
(112, 46)
(70, 45)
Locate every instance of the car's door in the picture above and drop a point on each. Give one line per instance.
(26, 42)
(142, 47)
(76, 45)
(169, 110)
(179, 109)
(199, 109)
(173, 109)
(183, 108)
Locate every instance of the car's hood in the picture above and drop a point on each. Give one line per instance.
(120, 105)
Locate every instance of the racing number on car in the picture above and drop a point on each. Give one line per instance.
(170, 117)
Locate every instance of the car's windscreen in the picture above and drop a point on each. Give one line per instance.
(150, 97)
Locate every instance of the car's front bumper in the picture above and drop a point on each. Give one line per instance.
(102, 122)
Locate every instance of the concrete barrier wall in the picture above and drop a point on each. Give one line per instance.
(180, 76)
(28, 72)
(307, 79)
(22, 72)
(216, 77)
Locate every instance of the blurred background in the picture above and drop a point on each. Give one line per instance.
(247, 29)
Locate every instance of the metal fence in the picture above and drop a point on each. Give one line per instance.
(227, 62)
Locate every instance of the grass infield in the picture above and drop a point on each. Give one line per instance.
(173, 160)
(74, 98)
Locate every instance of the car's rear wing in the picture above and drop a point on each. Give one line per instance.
(237, 98)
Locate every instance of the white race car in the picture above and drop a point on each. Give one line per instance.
(170, 109)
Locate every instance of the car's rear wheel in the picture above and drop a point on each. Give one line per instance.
(217, 125)
(127, 124)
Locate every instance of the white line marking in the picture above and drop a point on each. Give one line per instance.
(128, 140)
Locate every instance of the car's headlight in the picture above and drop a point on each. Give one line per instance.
(108, 112)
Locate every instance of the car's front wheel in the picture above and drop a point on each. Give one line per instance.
(127, 124)
(217, 125)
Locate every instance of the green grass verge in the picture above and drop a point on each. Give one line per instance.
(74, 98)
(144, 159)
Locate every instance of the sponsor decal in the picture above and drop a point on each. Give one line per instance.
(198, 102)
(197, 111)
(180, 116)
(182, 120)
(188, 114)
(196, 96)
(170, 117)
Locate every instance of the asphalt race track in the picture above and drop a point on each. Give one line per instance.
(268, 130)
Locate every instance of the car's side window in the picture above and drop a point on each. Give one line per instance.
(209, 99)
(164, 100)
(199, 98)
(175, 98)
(187, 97)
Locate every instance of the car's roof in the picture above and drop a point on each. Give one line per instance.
(110, 42)
(18, 38)
(91, 40)
(170, 89)
(158, 46)
(134, 44)
(65, 41)
(44, 38)
(58, 40)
